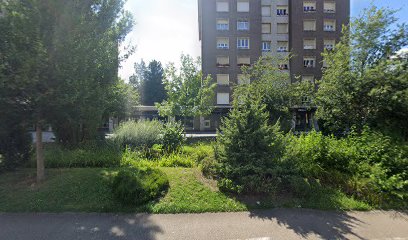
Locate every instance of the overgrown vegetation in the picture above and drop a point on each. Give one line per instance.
(136, 186)
(140, 135)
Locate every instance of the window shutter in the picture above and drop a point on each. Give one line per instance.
(309, 25)
(243, 6)
(266, 28)
(223, 98)
(223, 79)
(282, 28)
(222, 6)
(266, 11)
(243, 60)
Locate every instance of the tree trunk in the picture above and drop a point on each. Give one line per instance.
(40, 154)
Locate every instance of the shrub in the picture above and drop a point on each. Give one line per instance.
(173, 136)
(15, 147)
(176, 160)
(87, 155)
(138, 135)
(136, 186)
(199, 152)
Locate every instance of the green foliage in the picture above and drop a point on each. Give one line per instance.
(87, 155)
(173, 137)
(369, 165)
(176, 160)
(136, 186)
(138, 135)
(149, 81)
(58, 65)
(15, 147)
(362, 85)
(189, 93)
(248, 146)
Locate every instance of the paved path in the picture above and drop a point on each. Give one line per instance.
(262, 225)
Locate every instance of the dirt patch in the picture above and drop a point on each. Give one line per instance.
(211, 183)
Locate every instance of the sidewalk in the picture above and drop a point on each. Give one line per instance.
(265, 225)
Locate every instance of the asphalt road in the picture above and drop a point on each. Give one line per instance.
(262, 225)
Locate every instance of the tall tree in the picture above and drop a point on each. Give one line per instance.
(189, 93)
(361, 86)
(60, 60)
(152, 87)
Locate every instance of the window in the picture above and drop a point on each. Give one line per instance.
(283, 66)
(243, 61)
(283, 46)
(223, 43)
(308, 78)
(329, 25)
(309, 62)
(243, 6)
(309, 43)
(222, 6)
(242, 79)
(222, 79)
(309, 6)
(329, 7)
(223, 98)
(309, 25)
(243, 25)
(266, 11)
(282, 11)
(207, 123)
(282, 28)
(329, 44)
(243, 43)
(223, 61)
(222, 24)
(266, 46)
(266, 28)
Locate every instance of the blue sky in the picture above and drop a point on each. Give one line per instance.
(166, 28)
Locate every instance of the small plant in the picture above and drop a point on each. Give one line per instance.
(176, 160)
(173, 136)
(138, 135)
(137, 186)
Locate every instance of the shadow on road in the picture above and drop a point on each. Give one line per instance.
(325, 224)
(78, 226)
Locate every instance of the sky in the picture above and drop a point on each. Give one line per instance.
(165, 29)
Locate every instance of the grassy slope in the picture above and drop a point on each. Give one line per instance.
(88, 190)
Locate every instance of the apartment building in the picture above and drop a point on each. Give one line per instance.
(234, 33)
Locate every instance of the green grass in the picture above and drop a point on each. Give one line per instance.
(89, 190)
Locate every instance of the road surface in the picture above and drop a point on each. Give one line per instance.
(258, 225)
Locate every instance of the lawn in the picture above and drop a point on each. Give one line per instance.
(88, 190)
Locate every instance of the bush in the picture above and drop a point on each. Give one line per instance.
(136, 186)
(173, 137)
(138, 135)
(176, 160)
(199, 152)
(15, 148)
(87, 155)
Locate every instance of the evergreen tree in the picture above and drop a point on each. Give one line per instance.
(248, 146)
(151, 87)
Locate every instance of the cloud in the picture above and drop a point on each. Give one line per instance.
(164, 29)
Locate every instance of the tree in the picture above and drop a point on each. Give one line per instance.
(59, 60)
(361, 86)
(152, 87)
(276, 91)
(189, 93)
(248, 146)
